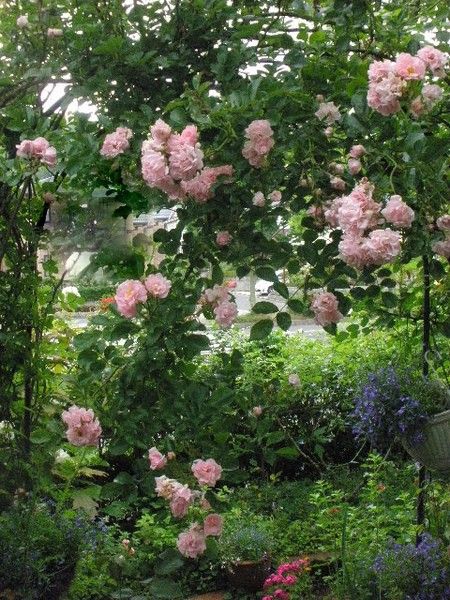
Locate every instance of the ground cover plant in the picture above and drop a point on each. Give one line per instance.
(301, 144)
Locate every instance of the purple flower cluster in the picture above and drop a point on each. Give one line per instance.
(419, 573)
(384, 409)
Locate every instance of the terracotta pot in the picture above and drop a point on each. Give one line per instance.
(434, 451)
(249, 575)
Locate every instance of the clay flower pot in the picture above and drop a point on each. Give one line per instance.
(249, 575)
(434, 451)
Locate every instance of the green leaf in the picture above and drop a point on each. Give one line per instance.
(266, 273)
(169, 562)
(296, 305)
(284, 320)
(281, 288)
(261, 329)
(265, 308)
(165, 588)
(287, 452)
(389, 299)
(112, 45)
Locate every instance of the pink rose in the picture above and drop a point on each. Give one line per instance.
(165, 487)
(431, 94)
(443, 223)
(128, 295)
(158, 286)
(181, 500)
(216, 294)
(353, 251)
(156, 459)
(281, 595)
(417, 107)
(223, 238)
(379, 70)
(294, 380)
(328, 112)
(433, 58)
(398, 212)
(259, 200)
(116, 143)
(383, 245)
(275, 196)
(337, 183)
(328, 132)
(83, 429)
(383, 96)
(49, 157)
(207, 472)
(354, 166)
(154, 168)
(25, 149)
(22, 21)
(192, 543)
(357, 151)
(204, 503)
(257, 411)
(213, 525)
(200, 186)
(442, 248)
(326, 309)
(160, 131)
(54, 33)
(226, 313)
(409, 67)
(259, 142)
(184, 160)
(336, 168)
(190, 134)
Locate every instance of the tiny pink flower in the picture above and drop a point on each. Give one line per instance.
(22, 21)
(226, 313)
(129, 294)
(357, 151)
(443, 223)
(192, 543)
(259, 142)
(442, 248)
(326, 309)
(83, 429)
(328, 112)
(294, 380)
(181, 499)
(257, 411)
(207, 472)
(259, 200)
(156, 459)
(205, 504)
(328, 132)
(409, 67)
(398, 212)
(431, 94)
(434, 59)
(336, 168)
(158, 286)
(354, 166)
(223, 238)
(116, 143)
(165, 487)
(337, 183)
(54, 33)
(275, 196)
(213, 525)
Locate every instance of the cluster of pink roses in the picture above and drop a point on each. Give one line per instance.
(173, 163)
(259, 199)
(259, 142)
(325, 307)
(192, 543)
(328, 112)
(38, 149)
(83, 429)
(132, 292)
(157, 460)
(358, 213)
(286, 576)
(442, 247)
(116, 143)
(389, 81)
(224, 308)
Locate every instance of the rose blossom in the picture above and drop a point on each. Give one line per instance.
(192, 543)
(200, 186)
(383, 95)
(157, 285)
(223, 238)
(226, 313)
(184, 159)
(409, 67)
(434, 59)
(442, 248)
(207, 472)
(181, 500)
(156, 459)
(354, 166)
(431, 93)
(337, 183)
(216, 294)
(294, 380)
(398, 212)
(160, 131)
(383, 245)
(379, 70)
(326, 309)
(128, 294)
(353, 251)
(443, 223)
(329, 112)
(54, 33)
(275, 196)
(336, 168)
(257, 411)
(165, 487)
(259, 142)
(22, 21)
(213, 525)
(39, 149)
(116, 143)
(328, 132)
(259, 200)
(83, 429)
(357, 151)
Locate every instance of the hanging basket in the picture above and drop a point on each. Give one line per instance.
(434, 451)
